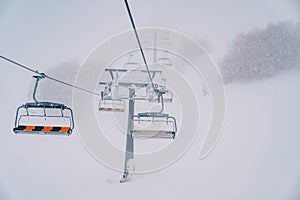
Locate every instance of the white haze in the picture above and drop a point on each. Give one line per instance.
(256, 158)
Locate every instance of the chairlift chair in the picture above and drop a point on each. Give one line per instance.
(107, 103)
(114, 105)
(154, 125)
(43, 118)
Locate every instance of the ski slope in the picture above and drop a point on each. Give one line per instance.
(257, 156)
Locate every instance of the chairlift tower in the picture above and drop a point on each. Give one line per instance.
(133, 79)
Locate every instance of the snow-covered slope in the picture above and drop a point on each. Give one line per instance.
(257, 156)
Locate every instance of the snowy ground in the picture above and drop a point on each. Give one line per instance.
(257, 156)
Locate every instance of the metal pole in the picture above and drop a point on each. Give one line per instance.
(35, 87)
(129, 154)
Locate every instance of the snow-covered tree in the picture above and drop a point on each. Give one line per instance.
(262, 53)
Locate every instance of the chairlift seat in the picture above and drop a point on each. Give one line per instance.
(113, 105)
(45, 130)
(156, 125)
(153, 114)
(111, 109)
(152, 134)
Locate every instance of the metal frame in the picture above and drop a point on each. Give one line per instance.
(47, 130)
(155, 93)
(154, 118)
(129, 154)
(151, 94)
(114, 105)
(115, 76)
(107, 102)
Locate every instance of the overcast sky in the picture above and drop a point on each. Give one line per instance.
(46, 33)
(43, 34)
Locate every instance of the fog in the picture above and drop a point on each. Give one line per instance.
(256, 156)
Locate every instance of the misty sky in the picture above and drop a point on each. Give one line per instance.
(46, 33)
